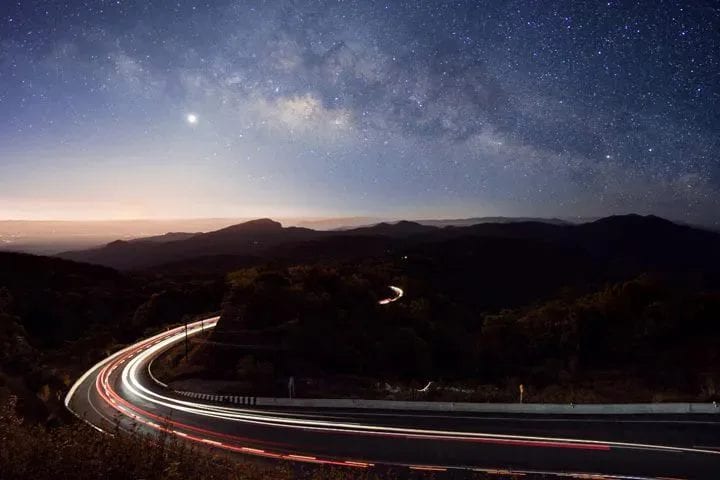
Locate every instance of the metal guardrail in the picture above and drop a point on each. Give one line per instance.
(536, 408)
(236, 399)
(528, 408)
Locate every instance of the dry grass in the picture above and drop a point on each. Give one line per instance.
(79, 452)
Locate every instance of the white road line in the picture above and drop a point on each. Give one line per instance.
(92, 405)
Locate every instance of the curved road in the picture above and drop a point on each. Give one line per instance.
(121, 388)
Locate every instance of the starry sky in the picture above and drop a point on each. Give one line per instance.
(178, 109)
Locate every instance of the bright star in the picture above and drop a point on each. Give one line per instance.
(192, 119)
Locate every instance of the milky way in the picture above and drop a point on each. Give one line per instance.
(405, 109)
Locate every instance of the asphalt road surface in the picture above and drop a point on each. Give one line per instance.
(122, 389)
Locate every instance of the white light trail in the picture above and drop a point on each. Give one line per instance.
(398, 294)
(132, 359)
(130, 381)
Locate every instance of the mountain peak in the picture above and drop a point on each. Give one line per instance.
(259, 225)
(401, 228)
(117, 243)
(633, 219)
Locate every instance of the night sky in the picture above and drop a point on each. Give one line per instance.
(124, 109)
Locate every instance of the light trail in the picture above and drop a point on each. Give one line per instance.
(130, 361)
(131, 381)
(398, 294)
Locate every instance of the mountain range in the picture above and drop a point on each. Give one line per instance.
(630, 240)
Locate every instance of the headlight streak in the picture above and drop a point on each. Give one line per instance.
(398, 294)
(131, 382)
(131, 359)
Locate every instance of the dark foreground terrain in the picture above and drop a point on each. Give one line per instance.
(623, 309)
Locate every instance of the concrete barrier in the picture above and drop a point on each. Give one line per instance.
(526, 408)
(536, 408)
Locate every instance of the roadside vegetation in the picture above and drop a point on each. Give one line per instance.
(647, 339)
(57, 318)
(621, 310)
(78, 452)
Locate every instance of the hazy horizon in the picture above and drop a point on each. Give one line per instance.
(350, 219)
(53, 236)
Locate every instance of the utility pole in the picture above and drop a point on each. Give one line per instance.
(186, 343)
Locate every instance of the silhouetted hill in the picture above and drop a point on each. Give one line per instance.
(56, 298)
(249, 238)
(402, 228)
(340, 247)
(23, 270)
(470, 293)
(477, 309)
(622, 245)
(338, 223)
(58, 317)
(259, 226)
(629, 243)
(208, 265)
(492, 272)
(528, 230)
(167, 237)
(466, 222)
